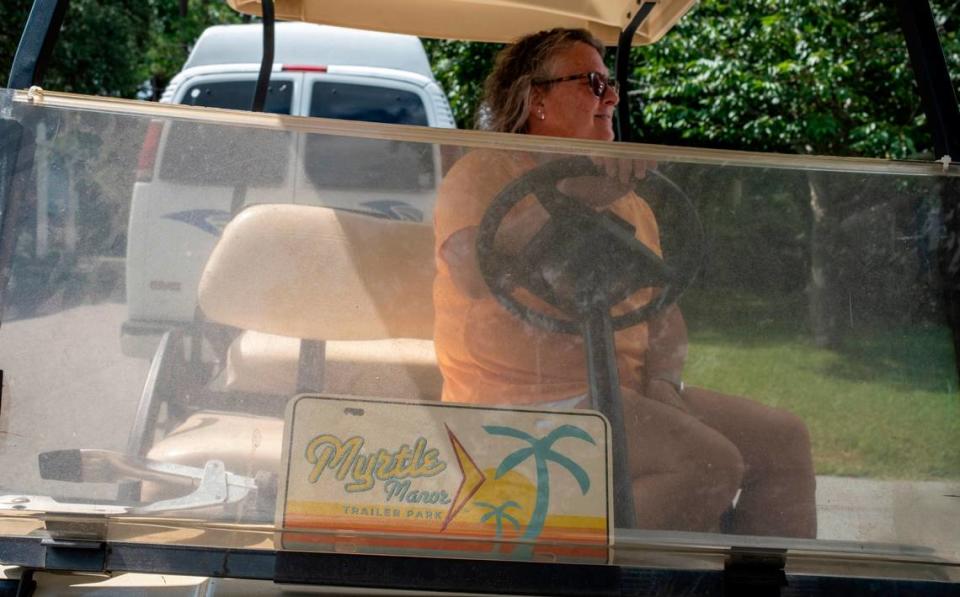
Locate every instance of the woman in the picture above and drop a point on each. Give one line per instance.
(692, 451)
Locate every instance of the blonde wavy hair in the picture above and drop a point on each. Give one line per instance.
(506, 100)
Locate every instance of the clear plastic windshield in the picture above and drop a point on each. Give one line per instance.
(488, 346)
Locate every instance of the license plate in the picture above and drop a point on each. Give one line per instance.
(433, 478)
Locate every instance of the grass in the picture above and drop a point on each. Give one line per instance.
(884, 405)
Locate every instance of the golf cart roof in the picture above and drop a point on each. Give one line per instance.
(481, 20)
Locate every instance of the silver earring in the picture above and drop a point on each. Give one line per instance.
(540, 113)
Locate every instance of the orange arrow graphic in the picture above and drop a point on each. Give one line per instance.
(473, 478)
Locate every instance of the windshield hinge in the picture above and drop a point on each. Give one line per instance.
(35, 94)
(57, 555)
(74, 555)
(755, 572)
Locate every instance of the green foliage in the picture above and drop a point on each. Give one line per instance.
(173, 35)
(460, 68)
(791, 76)
(99, 50)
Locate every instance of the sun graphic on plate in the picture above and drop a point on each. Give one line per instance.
(513, 494)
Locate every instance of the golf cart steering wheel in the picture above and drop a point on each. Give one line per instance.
(582, 259)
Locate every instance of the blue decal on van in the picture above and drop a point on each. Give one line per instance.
(395, 210)
(212, 221)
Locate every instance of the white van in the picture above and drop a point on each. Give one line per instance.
(182, 200)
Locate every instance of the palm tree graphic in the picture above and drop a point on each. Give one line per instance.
(499, 514)
(542, 451)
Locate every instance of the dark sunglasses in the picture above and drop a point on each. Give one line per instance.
(598, 82)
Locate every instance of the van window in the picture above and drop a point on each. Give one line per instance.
(349, 163)
(238, 95)
(348, 101)
(210, 154)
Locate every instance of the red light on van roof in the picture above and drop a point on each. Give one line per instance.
(312, 68)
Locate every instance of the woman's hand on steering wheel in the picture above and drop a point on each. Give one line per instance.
(617, 177)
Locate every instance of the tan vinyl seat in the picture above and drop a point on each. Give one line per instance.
(282, 273)
(362, 284)
(395, 367)
(322, 274)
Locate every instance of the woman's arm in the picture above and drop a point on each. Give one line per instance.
(666, 354)
(459, 253)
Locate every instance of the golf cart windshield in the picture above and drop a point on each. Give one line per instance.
(300, 411)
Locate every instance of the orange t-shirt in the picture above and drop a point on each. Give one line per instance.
(486, 354)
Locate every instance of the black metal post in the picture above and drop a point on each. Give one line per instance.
(622, 68)
(11, 145)
(266, 62)
(930, 69)
(604, 387)
(310, 369)
(939, 102)
(36, 44)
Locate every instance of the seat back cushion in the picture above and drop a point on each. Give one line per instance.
(323, 274)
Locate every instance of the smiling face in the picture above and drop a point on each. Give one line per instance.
(570, 108)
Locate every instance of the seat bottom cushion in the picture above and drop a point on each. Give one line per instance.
(392, 368)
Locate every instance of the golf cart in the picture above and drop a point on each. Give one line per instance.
(293, 435)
